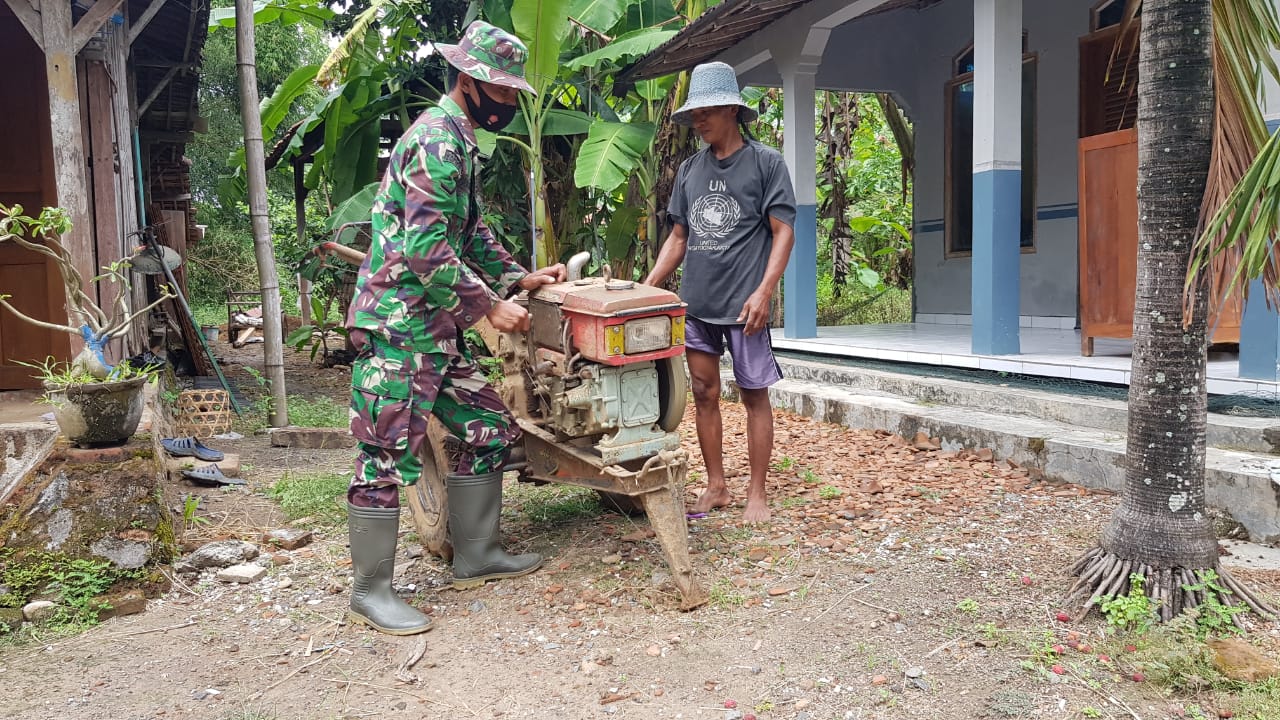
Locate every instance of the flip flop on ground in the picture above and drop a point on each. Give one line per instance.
(190, 447)
(210, 475)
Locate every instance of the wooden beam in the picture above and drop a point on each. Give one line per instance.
(91, 21)
(170, 136)
(71, 186)
(104, 175)
(155, 92)
(143, 20)
(29, 16)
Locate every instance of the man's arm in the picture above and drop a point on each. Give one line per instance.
(670, 256)
(430, 182)
(755, 313)
(486, 255)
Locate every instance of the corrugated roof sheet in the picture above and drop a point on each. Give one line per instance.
(722, 27)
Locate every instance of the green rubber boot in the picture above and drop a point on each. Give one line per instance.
(372, 532)
(475, 504)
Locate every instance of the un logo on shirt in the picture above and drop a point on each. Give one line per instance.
(715, 215)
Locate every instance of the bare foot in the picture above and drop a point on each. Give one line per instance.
(757, 511)
(712, 499)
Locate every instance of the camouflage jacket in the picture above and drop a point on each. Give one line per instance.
(433, 266)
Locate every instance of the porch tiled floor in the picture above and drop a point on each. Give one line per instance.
(21, 406)
(1046, 352)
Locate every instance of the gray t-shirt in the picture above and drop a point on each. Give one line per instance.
(726, 205)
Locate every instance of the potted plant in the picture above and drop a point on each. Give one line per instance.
(93, 401)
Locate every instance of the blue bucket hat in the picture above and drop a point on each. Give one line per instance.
(713, 84)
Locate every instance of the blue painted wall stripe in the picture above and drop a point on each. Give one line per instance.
(997, 261)
(800, 280)
(1059, 211)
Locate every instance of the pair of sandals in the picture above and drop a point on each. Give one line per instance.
(210, 475)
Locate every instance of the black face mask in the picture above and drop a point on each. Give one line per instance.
(488, 107)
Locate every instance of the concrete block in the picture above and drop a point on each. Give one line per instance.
(311, 438)
(287, 538)
(128, 602)
(245, 573)
(39, 610)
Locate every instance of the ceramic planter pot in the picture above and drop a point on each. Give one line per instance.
(98, 413)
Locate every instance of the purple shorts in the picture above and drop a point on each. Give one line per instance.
(754, 366)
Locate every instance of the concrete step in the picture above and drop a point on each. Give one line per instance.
(1086, 454)
(25, 445)
(1249, 434)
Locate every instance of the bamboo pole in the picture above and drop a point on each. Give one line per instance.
(263, 249)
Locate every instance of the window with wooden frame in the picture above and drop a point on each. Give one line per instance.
(959, 153)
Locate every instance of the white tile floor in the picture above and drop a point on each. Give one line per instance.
(1045, 351)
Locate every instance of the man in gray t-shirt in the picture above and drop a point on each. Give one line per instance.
(733, 209)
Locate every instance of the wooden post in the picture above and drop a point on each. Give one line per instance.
(300, 217)
(255, 165)
(69, 167)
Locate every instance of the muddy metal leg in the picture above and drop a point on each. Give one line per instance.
(665, 509)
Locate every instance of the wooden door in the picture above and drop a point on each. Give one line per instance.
(32, 283)
(1108, 191)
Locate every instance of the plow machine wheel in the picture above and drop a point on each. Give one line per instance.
(673, 392)
(429, 498)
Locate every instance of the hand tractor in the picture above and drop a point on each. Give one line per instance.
(598, 387)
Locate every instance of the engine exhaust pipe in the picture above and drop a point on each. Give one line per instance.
(576, 263)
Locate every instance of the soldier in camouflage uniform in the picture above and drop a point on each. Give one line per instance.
(434, 269)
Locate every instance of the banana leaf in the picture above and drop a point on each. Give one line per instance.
(610, 154)
(599, 15)
(543, 25)
(630, 45)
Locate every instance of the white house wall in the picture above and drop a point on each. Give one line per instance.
(910, 54)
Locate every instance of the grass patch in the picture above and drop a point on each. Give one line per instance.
(317, 412)
(553, 503)
(312, 495)
(860, 306)
(303, 412)
(724, 594)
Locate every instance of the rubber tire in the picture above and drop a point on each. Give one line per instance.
(429, 497)
(673, 392)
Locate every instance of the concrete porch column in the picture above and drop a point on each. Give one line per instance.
(1259, 324)
(997, 175)
(800, 281)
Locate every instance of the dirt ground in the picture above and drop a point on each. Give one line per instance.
(896, 582)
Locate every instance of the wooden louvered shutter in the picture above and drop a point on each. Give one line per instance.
(1108, 101)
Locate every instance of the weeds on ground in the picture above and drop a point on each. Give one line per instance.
(303, 412)
(317, 412)
(313, 496)
(1172, 659)
(75, 584)
(553, 503)
(724, 594)
(1133, 612)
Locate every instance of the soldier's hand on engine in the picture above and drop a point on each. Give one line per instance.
(545, 276)
(507, 316)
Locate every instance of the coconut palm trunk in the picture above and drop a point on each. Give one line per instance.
(1161, 530)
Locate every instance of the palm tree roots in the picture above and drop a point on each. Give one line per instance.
(1101, 575)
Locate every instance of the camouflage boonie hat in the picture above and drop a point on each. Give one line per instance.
(490, 54)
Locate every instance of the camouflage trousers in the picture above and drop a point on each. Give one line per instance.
(393, 394)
